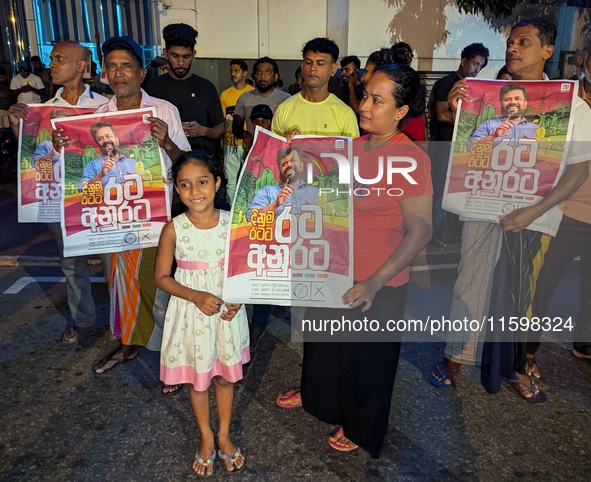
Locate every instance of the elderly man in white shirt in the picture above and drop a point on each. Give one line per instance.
(137, 306)
(68, 63)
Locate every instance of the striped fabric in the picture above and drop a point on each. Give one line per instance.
(479, 253)
(80, 20)
(137, 307)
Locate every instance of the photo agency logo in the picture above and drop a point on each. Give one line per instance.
(388, 167)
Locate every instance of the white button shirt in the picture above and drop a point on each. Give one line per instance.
(87, 99)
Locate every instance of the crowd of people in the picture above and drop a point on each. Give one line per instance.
(168, 299)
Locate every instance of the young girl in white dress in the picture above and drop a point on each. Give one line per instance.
(204, 337)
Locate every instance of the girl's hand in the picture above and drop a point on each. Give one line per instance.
(230, 312)
(207, 303)
(362, 292)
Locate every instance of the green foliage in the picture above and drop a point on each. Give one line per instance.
(147, 153)
(245, 194)
(29, 142)
(502, 8)
(466, 126)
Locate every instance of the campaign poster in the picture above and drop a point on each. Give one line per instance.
(291, 240)
(39, 164)
(509, 148)
(115, 195)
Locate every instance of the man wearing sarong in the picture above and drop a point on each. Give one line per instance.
(137, 306)
(499, 262)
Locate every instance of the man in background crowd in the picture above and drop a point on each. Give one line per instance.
(293, 89)
(265, 73)
(351, 92)
(25, 87)
(42, 72)
(196, 98)
(474, 59)
(233, 150)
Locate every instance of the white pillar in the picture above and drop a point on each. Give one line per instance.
(263, 17)
(31, 27)
(337, 24)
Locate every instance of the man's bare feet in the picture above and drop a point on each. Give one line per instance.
(532, 368)
(121, 354)
(75, 333)
(444, 373)
(229, 453)
(206, 452)
(527, 389)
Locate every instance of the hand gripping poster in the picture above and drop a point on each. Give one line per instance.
(509, 148)
(115, 195)
(291, 241)
(39, 166)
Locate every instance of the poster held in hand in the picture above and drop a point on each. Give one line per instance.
(115, 192)
(291, 242)
(39, 164)
(509, 148)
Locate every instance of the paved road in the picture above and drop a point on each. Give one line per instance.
(58, 421)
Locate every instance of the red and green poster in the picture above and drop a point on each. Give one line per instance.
(115, 193)
(291, 241)
(509, 148)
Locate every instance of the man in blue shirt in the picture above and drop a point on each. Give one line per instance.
(512, 125)
(292, 192)
(113, 163)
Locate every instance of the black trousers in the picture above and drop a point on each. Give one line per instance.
(351, 383)
(573, 239)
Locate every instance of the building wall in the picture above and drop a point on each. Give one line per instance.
(436, 29)
(252, 28)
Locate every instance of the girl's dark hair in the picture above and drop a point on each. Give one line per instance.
(407, 82)
(212, 166)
